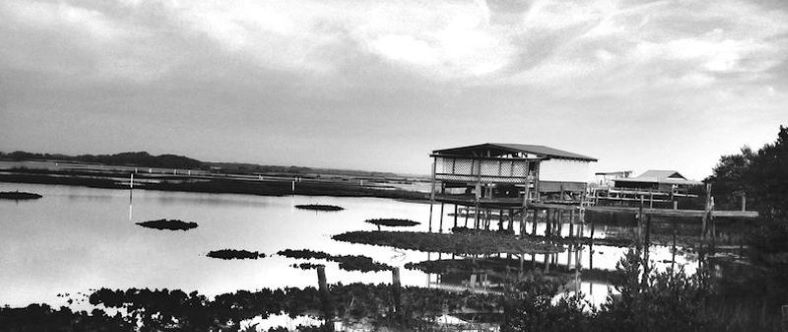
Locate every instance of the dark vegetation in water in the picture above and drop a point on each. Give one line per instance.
(235, 254)
(392, 222)
(319, 207)
(664, 301)
(168, 224)
(42, 317)
(303, 254)
(667, 300)
(18, 195)
(462, 243)
(500, 265)
(175, 310)
(467, 230)
(306, 266)
(346, 262)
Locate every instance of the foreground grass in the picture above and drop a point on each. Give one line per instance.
(175, 310)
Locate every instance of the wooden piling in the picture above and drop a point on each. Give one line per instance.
(535, 220)
(511, 220)
(546, 264)
(455, 215)
(571, 223)
(548, 222)
(673, 249)
(706, 213)
(440, 222)
(522, 257)
(591, 248)
(487, 214)
(640, 222)
(560, 222)
(646, 243)
(396, 291)
(650, 198)
(432, 193)
(526, 194)
(325, 299)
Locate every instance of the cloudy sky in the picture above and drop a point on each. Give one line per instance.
(377, 85)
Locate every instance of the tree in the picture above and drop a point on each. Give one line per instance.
(761, 176)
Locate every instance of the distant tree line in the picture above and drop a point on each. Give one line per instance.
(125, 158)
(144, 159)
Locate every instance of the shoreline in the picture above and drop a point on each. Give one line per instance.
(225, 184)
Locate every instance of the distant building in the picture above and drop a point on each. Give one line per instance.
(662, 180)
(605, 179)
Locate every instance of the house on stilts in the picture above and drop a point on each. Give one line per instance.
(503, 179)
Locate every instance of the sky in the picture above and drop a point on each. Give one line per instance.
(377, 85)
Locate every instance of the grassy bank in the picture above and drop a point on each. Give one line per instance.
(463, 243)
(219, 184)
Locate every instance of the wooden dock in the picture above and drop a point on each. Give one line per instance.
(675, 213)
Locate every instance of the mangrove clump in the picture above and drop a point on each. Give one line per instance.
(18, 195)
(392, 222)
(462, 243)
(235, 254)
(168, 224)
(346, 262)
(319, 207)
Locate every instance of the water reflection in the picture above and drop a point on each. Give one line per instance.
(76, 239)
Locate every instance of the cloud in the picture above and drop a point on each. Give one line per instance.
(344, 70)
(544, 43)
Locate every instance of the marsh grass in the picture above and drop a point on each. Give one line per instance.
(462, 243)
(235, 254)
(168, 224)
(319, 207)
(18, 195)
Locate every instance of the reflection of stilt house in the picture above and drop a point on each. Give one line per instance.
(504, 177)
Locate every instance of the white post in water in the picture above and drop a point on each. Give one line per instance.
(293, 186)
(131, 181)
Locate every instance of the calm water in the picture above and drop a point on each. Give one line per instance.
(76, 239)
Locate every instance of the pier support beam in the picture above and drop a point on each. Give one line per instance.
(432, 192)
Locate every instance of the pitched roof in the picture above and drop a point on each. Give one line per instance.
(656, 180)
(662, 174)
(497, 149)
